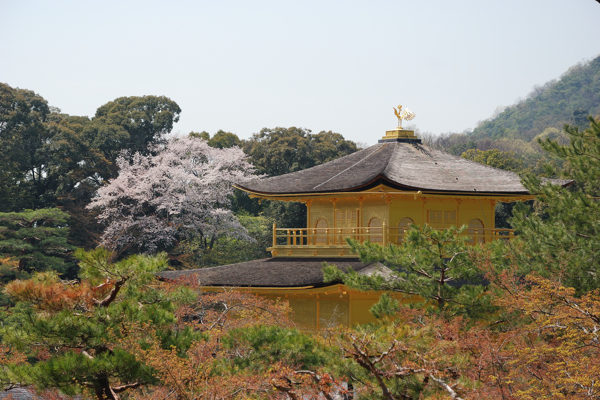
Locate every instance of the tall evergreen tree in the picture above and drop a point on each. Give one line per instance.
(560, 238)
(35, 241)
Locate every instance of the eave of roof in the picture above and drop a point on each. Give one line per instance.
(408, 167)
(368, 191)
(267, 273)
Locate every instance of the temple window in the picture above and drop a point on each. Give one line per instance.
(375, 231)
(403, 226)
(441, 218)
(346, 218)
(476, 231)
(321, 232)
(346, 222)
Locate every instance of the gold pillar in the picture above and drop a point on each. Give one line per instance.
(384, 233)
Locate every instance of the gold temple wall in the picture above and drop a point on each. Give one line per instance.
(334, 217)
(322, 308)
(375, 207)
(392, 209)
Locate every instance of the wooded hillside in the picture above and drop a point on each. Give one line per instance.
(567, 100)
(542, 115)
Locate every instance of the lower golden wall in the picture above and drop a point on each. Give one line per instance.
(322, 308)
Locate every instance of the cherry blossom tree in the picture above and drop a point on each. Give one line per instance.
(181, 189)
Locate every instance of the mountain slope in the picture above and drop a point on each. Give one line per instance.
(567, 100)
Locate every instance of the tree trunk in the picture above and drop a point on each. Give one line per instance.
(103, 390)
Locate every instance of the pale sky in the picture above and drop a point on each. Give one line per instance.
(322, 65)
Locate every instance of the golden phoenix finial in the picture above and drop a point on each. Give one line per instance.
(406, 114)
(397, 112)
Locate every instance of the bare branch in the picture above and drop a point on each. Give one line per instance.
(122, 388)
(446, 387)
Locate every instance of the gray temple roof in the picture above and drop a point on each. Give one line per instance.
(274, 272)
(402, 165)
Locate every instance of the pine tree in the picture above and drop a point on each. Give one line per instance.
(434, 265)
(560, 238)
(33, 241)
(74, 331)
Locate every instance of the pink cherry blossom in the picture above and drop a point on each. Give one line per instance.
(182, 189)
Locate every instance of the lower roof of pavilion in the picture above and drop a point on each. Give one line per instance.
(274, 272)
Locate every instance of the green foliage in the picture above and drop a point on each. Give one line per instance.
(279, 151)
(461, 148)
(220, 140)
(453, 143)
(516, 129)
(34, 241)
(23, 114)
(77, 333)
(269, 345)
(560, 238)
(96, 266)
(554, 104)
(145, 120)
(53, 159)
(57, 160)
(198, 253)
(200, 135)
(46, 154)
(495, 158)
(503, 214)
(506, 160)
(387, 306)
(223, 139)
(286, 214)
(433, 264)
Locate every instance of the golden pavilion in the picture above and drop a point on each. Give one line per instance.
(372, 195)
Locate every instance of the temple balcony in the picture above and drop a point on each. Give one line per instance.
(331, 242)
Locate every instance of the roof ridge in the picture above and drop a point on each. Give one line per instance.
(354, 165)
(417, 146)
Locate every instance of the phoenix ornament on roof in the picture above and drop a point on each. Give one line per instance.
(406, 115)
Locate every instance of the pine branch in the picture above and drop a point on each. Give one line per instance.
(122, 388)
(113, 293)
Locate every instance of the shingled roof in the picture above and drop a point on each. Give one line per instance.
(274, 272)
(28, 393)
(402, 165)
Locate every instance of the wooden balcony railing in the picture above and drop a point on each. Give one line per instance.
(285, 238)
